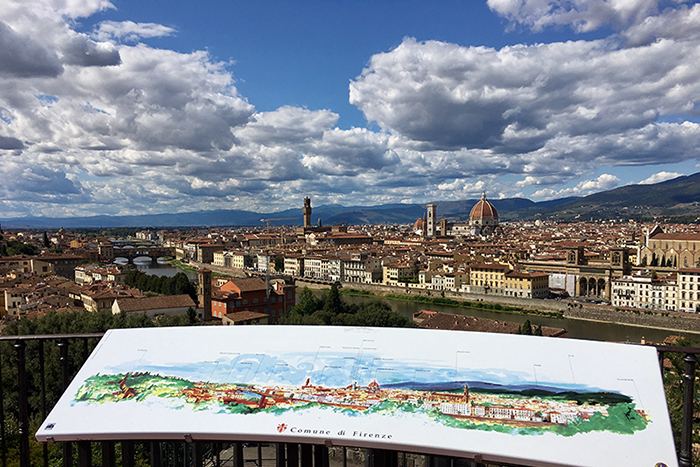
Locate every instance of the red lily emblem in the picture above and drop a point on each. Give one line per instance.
(281, 427)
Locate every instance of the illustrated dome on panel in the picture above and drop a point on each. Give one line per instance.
(483, 213)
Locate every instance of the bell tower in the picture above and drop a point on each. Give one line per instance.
(432, 221)
(205, 293)
(306, 211)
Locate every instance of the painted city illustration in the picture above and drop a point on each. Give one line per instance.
(358, 382)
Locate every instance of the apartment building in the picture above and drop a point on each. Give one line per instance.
(646, 291)
(689, 289)
(526, 284)
(487, 278)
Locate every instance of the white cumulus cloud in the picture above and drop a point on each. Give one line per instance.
(660, 177)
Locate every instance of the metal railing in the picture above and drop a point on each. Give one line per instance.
(23, 393)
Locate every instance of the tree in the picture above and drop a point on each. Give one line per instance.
(378, 314)
(333, 311)
(47, 243)
(308, 303)
(279, 263)
(527, 328)
(18, 248)
(538, 330)
(333, 303)
(191, 315)
(654, 260)
(644, 261)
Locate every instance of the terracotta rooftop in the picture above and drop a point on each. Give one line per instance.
(249, 284)
(155, 303)
(243, 316)
(447, 321)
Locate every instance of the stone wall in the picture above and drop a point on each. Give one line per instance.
(233, 272)
(671, 320)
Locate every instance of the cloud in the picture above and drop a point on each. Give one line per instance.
(10, 143)
(128, 31)
(540, 105)
(80, 50)
(682, 24)
(20, 56)
(660, 177)
(23, 182)
(602, 183)
(105, 123)
(287, 126)
(581, 15)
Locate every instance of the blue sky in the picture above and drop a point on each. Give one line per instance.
(133, 107)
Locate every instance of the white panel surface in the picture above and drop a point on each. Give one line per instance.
(519, 399)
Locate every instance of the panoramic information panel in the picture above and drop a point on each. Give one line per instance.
(518, 399)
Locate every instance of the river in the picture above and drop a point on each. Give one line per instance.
(577, 329)
(157, 268)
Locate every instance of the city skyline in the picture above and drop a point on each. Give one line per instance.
(129, 107)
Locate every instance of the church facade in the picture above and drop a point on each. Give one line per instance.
(670, 250)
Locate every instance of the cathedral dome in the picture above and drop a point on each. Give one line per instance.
(418, 224)
(483, 213)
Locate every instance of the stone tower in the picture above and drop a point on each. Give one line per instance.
(205, 293)
(431, 227)
(307, 212)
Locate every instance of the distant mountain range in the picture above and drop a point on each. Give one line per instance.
(675, 200)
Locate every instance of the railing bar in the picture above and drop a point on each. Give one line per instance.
(42, 373)
(3, 445)
(84, 454)
(109, 458)
(678, 349)
(198, 454)
(156, 454)
(686, 455)
(280, 458)
(127, 454)
(36, 337)
(321, 456)
(22, 401)
(307, 457)
(345, 456)
(85, 349)
(259, 454)
(63, 359)
(292, 455)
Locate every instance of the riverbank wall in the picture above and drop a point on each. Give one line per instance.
(676, 321)
(222, 270)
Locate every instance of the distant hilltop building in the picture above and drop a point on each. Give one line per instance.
(483, 222)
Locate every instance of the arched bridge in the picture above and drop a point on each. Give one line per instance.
(131, 252)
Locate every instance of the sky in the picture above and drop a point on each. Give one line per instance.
(128, 107)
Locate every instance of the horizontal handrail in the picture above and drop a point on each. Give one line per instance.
(39, 337)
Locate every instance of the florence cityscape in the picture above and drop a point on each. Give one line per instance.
(513, 167)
